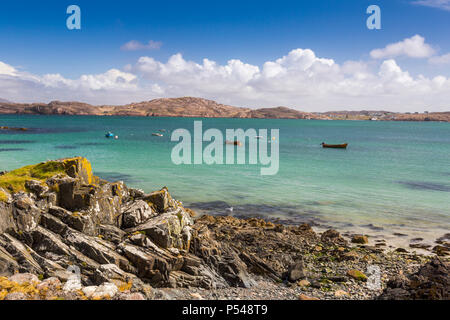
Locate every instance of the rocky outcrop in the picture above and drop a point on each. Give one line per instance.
(431, 282)
(94, 239)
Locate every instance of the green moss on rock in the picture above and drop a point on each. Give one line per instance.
(357, 275)
(15, 180)
(3, 196)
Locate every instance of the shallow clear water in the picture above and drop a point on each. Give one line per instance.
(394, 175)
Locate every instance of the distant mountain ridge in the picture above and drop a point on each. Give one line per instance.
(165, 107)
(204, 108)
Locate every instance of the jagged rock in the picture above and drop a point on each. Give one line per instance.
(8, 265)
(112, 273)
(234, 271)
(74, 219)
(149, 265)
(79, 221)
(53, 255)
(6, 215)
(162, 200)
(111, 233)
(51, 268)
(140, 240)
(37, 187)
(136, 193)
(92, 248)
(168, 230)
(54, 224)
(25, 213)
(103, 201)
(21, 253)
(136, 213)
(43, 241)
(431, 282)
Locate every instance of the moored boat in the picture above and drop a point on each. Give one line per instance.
(337, 146)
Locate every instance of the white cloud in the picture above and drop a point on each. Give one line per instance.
(299, 80)
(414, 47)
(135, 45)
(7, 70)
(444, 59)
(440, 4)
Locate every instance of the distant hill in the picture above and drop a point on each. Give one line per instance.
(4, 100)
(198, 107)
(166, 107)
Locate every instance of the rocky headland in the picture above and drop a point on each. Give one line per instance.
(198, 107)
(67, 234)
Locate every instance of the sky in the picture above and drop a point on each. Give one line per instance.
(309, 55)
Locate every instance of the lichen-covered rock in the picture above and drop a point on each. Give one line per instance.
(111, 233)
(25, 213)
(79, 221)
(21, 253)
(8, 265)
(6, 215)
(357, 275)
(91, 247)
(78, 167)
(5, 196)
(168, 230)
(136, 213)
(162, 200)
(36, 186)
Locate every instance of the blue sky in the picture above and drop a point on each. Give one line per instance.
(34, 39)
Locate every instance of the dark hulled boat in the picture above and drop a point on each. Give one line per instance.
(337, 146)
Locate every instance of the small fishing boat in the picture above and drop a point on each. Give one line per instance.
(156, 134)
(109, 135)
(337, 146)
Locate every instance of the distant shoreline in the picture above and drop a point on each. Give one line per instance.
(188, 107)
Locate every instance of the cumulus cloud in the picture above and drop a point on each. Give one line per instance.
(299, 80)
(414, 47)
(444, 59)
(135, 45)
(439, 4)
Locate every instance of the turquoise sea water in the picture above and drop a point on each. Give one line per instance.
(394, 176)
